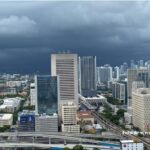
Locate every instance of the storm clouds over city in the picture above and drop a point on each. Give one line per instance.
(113, 31)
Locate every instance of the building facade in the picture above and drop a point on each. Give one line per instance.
(131, 145)
(104, 74)
(140, 74)
(65, 66)
(69, 121)
(6, 120)
(47, 94)
(45, 123)
(26, 121)
(119, 91)
(87, 75)
(32, 94)
(141, 111)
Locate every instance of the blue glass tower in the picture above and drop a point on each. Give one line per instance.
(46, 94)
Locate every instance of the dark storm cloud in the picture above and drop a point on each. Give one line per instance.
(30, 31)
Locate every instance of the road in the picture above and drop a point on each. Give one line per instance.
(119, 130)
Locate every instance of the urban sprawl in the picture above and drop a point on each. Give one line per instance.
(79, 106)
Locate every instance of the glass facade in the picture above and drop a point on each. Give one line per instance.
(47, 97)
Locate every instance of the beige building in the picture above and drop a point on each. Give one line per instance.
(6, 119)
(69, 118)
(142, 74)
(65, 66)
(71, 128)
(141, 110)
(85, 116)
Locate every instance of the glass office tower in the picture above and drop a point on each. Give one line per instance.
(46, 94)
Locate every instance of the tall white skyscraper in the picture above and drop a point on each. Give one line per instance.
(65, 66)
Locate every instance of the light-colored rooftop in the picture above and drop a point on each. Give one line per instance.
(5, 116)
(126, 141)
(10, 102)
(96, 97)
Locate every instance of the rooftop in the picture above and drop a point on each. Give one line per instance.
(5, 116)
(84, 114)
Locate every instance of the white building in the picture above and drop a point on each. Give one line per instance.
(119, 91)
(141, 111)
(131, 145)
(15, 83)
(116, 74)
(45, 123)
(128, 118)
(104, 74)
(70, 128)
(140, 74)
(6, 119)
(65, 66)
(32, 94)
(69, 118)
(10, 104)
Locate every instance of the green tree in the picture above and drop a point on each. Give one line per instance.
(66, 148)
(120, 113)
(78, 147)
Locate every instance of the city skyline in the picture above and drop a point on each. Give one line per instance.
(107, 30)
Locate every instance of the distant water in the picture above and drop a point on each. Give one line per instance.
(55, 148)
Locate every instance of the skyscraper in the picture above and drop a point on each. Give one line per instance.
(46, 94)
(104, 73)
(140, 74)
(116, 74)
(141, 111)
(119, 91)
(65, 66)
(87, 75)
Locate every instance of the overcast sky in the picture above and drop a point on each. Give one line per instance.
(113, 31)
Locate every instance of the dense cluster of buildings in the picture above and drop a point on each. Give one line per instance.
(72, 75)
(56, 96)
(58, 93)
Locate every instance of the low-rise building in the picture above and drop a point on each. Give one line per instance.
(45, 123)
(26, 121)
(6, 119)
(71, 128)
(10, 104)
(69, 118)
(85, 116)
(131, 145)
(127, 118)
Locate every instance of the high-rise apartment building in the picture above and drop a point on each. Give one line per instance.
(119, 91)
(140, 106)
(47, 94)
(87, 75)
(32, 94)
(140, 74)
(65, 66)
(116, 74)
(104, 74)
